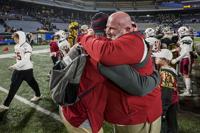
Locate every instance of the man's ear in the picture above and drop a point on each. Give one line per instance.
(129, 29)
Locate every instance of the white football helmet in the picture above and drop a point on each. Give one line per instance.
(167, 30)
(183, 31)
(149, 32)
(61, 34)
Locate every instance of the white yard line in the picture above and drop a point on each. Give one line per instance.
(35, 106)
(34, 52)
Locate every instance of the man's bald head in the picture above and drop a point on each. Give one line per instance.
(121, 18)
(121, 22)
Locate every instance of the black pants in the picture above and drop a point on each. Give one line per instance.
(17, 78)
(169, 121)
(54, 59)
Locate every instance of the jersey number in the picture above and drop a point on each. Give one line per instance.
(18, 56)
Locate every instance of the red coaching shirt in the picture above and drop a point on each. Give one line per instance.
(122, 108)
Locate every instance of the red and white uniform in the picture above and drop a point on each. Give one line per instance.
(154, 43)
(186, 44)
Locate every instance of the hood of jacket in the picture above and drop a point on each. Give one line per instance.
(22, 37)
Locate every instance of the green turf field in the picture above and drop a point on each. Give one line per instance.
(197, 39)
(22, 118)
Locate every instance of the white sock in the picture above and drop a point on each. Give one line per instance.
(187, 84)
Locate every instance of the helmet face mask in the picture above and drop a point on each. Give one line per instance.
(149, 32)
(167, 30)
(158, 30)
(183, 31)
(61, 35)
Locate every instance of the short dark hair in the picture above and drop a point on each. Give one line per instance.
(168, 61)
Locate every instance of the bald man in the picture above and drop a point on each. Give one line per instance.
(129, 114)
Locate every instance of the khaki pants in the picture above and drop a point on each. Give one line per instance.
(72, 129)
(153, 127)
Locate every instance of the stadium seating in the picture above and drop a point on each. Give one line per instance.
(195, 26)
(60, 26)
(125, 5)
(1, 28)
(144, 5)
(143, 26)
(105, 5)
(27, 26)
(50, 18)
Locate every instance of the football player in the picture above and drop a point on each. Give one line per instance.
(153, 42)
(169, 39)
(184, 58)
(63, 44)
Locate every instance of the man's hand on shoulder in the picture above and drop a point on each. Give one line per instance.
(90, 32)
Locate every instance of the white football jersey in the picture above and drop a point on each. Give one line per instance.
(64, 46)
(186, 44)
(154, 43)
(23, 52)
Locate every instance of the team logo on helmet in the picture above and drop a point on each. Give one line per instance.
(149, 32)
(183, 31)
(61, 35)
(167, 30)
